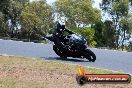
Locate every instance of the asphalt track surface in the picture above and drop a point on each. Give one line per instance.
(106, 59)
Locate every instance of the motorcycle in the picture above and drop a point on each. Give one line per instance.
(77, 47)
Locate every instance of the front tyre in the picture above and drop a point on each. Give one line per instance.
(88, 54)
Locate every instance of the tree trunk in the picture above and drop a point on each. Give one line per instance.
(123, 40)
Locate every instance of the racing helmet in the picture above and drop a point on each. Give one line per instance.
(61, 24)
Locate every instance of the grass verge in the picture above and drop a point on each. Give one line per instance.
(21, 72)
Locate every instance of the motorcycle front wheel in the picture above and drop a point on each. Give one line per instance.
(88, 54)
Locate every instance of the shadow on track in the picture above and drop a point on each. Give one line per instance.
(64, 59)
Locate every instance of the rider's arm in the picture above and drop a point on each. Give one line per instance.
(69, 31)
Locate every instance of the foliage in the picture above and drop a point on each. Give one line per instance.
(77, 11)
(36, 19)
(98, 36)
(3, 29)
(104, 34)
(109, 34)
(24, 19)
(116, 10)
(87, 33)
(126, 28)
(129, 47)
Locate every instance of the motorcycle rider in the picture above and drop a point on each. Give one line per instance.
(58, 34)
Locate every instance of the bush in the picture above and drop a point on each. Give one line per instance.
(129, 48)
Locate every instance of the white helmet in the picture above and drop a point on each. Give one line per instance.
(61, 23)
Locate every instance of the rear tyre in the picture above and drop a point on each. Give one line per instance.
(58, 52)
(90, 55)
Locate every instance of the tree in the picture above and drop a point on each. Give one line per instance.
(4, 5)
(116, 10)
(15, 8)
(20, 18)
(3, 27)
(98, 36)
(109, 34)
(77, 12)
(129, 47)
(126, 27)
(11, 10)
(36, 19)
(104, 34)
